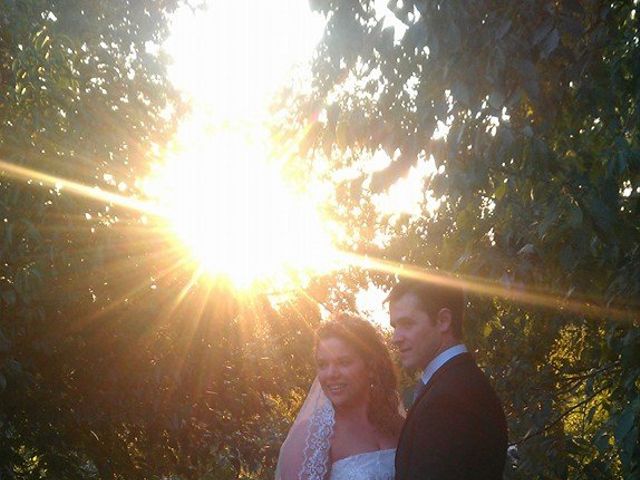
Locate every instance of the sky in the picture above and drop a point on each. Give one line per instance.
(233, 56)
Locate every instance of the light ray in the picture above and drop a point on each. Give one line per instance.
(201, 304)
(23, 173)
(586, 307)
(480, 286)
(293, 306)
(291, 146)
(118, 302)
(323, 305)
(177, 301)
(184, 291)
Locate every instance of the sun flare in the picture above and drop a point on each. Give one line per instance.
(231, 209)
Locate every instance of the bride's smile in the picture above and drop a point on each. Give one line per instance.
(335, 388)
(348, 426)
(342, 373)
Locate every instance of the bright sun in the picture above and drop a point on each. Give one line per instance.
(232, 210)
(223, 197)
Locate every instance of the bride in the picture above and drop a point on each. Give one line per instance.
(349, 425)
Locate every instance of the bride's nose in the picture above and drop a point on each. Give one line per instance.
(332, 370)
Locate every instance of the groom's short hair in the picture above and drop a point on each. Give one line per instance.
(433, 297)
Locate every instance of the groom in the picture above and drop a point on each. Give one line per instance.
(456, 428)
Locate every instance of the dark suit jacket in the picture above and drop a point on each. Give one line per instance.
(456, 429)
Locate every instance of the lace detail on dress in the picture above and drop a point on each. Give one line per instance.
(316, 450)
(378, 465)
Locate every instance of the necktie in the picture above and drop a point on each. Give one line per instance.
(419, 388)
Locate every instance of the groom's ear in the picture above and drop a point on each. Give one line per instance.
(445, 319)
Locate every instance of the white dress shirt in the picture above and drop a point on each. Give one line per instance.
(440, 360)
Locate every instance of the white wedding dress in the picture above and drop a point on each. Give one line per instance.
(379, 465)
(305, 453)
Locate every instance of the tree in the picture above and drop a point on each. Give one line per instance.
(530, 113)
(116, 361)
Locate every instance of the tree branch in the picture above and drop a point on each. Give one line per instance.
(557, 420)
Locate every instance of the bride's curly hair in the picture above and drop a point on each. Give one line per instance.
(366, 340)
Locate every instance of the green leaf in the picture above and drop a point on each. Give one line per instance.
(625, 424)
(496, 100)
(5, 345)
(8, 297)
(602, 442)
(542, 31)
(550, 43)
(575, 216)
(504, 28)
(500, 191)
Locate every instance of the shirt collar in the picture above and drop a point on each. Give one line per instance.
(440, 360)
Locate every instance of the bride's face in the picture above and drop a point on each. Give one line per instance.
(342, 373)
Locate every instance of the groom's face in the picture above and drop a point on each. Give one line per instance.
(417, 336)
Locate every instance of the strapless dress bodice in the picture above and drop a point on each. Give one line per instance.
(378, 465)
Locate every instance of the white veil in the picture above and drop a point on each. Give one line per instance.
(304, 455)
